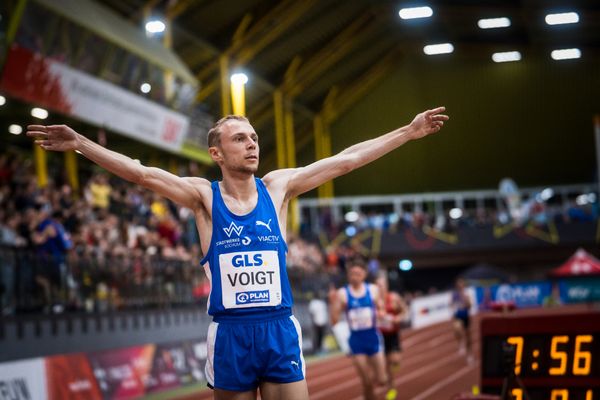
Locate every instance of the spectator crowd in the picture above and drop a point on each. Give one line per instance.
(113, 245)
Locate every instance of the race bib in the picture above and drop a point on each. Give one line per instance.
(250, 279)
(386, 322)
(360, 318)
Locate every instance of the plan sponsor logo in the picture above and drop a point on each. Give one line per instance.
(251, 297)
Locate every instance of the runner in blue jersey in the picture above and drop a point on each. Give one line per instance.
(461, 305)
(362, 302)
(253, 342)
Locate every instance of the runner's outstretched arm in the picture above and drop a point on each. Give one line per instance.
(183, 191)
(301, 180)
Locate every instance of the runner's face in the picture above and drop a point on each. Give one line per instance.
(356, 275)
(239, 147)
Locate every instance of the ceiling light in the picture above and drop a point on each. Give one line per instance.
(491, 23)
(15, 129)
(2, 100)
(350, 231)
(562, 18)
(506, 56)
(351, 216)
(39, 113)
(442, 48)
(565, 54)
(405, 265)
(239, 79)
(145, 87)
(456, 213)
(415, 12)
(155, 26)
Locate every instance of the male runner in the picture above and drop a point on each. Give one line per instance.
(362, 303)
(394, 311)
(254, 341)
(461, 303)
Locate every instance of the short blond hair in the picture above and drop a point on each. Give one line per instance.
(214, 134)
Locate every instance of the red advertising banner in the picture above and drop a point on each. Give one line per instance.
(120, 374)
(51, 84)
(70, 377)
(124, 373)
(178, 364)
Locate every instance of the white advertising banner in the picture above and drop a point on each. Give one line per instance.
(23, 380)
(432, 309)
(56, 86)
(429, 310)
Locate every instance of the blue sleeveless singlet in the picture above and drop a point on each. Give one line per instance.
(246, 262)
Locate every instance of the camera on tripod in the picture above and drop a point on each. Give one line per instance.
(509, 355)
(511, 379)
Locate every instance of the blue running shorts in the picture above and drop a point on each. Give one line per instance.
(242, 353)
(367, 342)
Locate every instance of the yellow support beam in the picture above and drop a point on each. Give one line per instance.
(269, 28)
(278, 107)
(319, 132)
(250, 40)
(290, 142)
(292, 71)
(168, 75)
(173, 166)
(225, 95)
(261, 112)
(41, 166)
(331, 53)
(71, 168)
(177, 8)
(147, 8)
(238, 98)
(290, 139)
(208, 70)
(338, 101)
(207, 90)
(360, 87)
(242, 28)
(14, 22)
(328, 186)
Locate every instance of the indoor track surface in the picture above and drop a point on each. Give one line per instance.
(431, 369)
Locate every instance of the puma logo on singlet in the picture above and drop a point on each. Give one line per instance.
(265, 224)
(295, 363)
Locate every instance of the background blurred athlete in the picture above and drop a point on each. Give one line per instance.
(394, 311)
(461, 304)
(362, 303)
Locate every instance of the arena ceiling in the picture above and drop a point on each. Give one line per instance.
(319, 49)
(332, 42)
(315, 48)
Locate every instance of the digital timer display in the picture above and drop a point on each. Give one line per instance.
(546, 355)
(556, 357)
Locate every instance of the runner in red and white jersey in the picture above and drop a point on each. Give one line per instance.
(389, 325)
